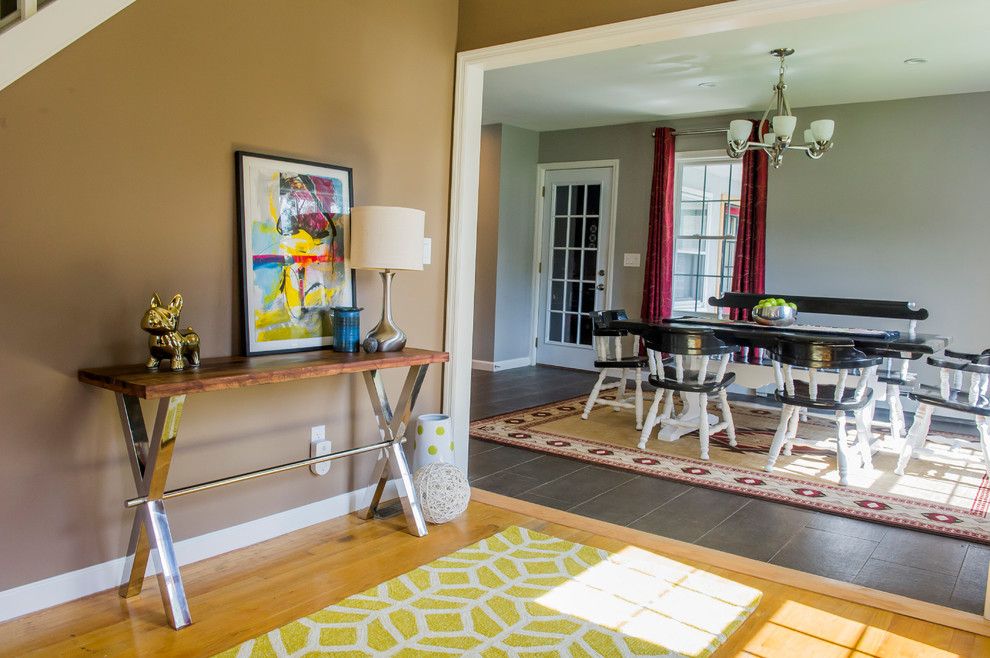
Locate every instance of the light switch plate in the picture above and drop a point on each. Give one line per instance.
(630, 260)
(427, 251)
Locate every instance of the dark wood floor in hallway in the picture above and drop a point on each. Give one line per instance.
(928, 567)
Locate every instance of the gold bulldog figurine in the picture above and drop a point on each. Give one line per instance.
(165, 342)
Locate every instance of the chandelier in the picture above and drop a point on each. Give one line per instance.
(818, 138)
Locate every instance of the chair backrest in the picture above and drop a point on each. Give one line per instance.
(686, 341)
(608, 345)
(812, 354)
(683, 343)
(951, 373)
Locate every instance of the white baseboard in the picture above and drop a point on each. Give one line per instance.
(107, 575)
(496, 366)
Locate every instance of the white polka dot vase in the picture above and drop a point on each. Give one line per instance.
(433, 441)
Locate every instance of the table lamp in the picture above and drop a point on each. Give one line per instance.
(387, 238)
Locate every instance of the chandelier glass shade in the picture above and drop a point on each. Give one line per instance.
(780, 129)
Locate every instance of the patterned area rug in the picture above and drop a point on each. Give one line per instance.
(522, 593)
(946, 493)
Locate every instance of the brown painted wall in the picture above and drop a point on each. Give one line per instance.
(117, 180)
(488, 22)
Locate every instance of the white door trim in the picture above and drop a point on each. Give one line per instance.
(541, 177)
(469, 86)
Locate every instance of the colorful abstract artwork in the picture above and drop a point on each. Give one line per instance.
(294, 233)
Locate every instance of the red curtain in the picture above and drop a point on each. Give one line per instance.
(658, 278)
(749, 266)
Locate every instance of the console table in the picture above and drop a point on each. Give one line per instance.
(151, 454)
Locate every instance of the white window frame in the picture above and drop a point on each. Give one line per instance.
(680, 160)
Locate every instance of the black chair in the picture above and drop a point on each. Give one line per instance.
(951, 393)
(810, 355)
(608, 358)
(692, 349)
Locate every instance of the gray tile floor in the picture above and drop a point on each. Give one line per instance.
(929, 567)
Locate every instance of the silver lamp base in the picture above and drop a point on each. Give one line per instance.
(390, 338)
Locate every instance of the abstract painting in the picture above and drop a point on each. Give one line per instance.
(295, 220)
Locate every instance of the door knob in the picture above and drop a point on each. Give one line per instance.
(601, 286)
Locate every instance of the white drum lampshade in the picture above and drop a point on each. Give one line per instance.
(386, 238)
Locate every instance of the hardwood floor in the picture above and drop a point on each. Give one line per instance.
(237, 596)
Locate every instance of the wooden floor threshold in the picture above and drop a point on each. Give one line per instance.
(958, 619)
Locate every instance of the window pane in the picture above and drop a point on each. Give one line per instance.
(570, 328)
(577, 199)
(557, 296)
(587, 298)
(556, 323)
(585, 330)
(692, 182)
(559, 261)
(576, 233)
(573, 297)
(7, 7)
(735, 183)
(560, 232)
(717, 181)
(590, 263)
(591, 232)
(687, 263)
(594, 200)
(691, 221)
(560, 203)
(574, 264)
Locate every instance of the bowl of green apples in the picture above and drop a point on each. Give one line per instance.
(775, 312)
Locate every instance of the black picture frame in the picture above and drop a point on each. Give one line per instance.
(247, 163)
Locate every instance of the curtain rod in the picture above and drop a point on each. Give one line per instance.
(707, 131)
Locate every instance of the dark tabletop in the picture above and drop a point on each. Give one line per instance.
(750, 334)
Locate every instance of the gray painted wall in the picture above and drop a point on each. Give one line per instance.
(486, 265)
(894, 211)
(506, 198)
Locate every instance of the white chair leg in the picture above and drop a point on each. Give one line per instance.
(639, 398)
(651, 421)
(863, 436)
(896, 411)
(780, 436)
(840, 424)
(703, 424)
(915, 437)
(730, 426)
(792, 429)
(594, 395)
(621, 395)
(842, 457)
(804, 416)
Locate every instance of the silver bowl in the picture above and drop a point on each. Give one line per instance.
(774, 316)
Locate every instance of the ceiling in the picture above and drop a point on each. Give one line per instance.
(843, 58)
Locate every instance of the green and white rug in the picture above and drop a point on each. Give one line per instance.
(522, 593)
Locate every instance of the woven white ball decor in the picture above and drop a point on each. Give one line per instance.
(443, 491)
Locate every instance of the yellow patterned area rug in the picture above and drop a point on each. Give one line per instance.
(522, 593)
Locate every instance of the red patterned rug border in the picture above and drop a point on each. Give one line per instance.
(796, 500)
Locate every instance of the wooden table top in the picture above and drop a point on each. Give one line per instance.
(221, 373)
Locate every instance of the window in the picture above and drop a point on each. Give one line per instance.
(706, 217)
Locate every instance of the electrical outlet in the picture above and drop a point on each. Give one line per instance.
(318, 447)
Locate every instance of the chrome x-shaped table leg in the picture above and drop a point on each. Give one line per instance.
(392, 427)
(150, 534)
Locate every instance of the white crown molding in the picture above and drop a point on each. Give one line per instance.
(30, 41)
(69, 586)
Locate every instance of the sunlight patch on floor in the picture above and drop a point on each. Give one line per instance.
(656, 599)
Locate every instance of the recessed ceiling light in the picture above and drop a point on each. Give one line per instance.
(707, 84)
(916, 60)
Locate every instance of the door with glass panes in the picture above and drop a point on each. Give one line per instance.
(574, 264)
